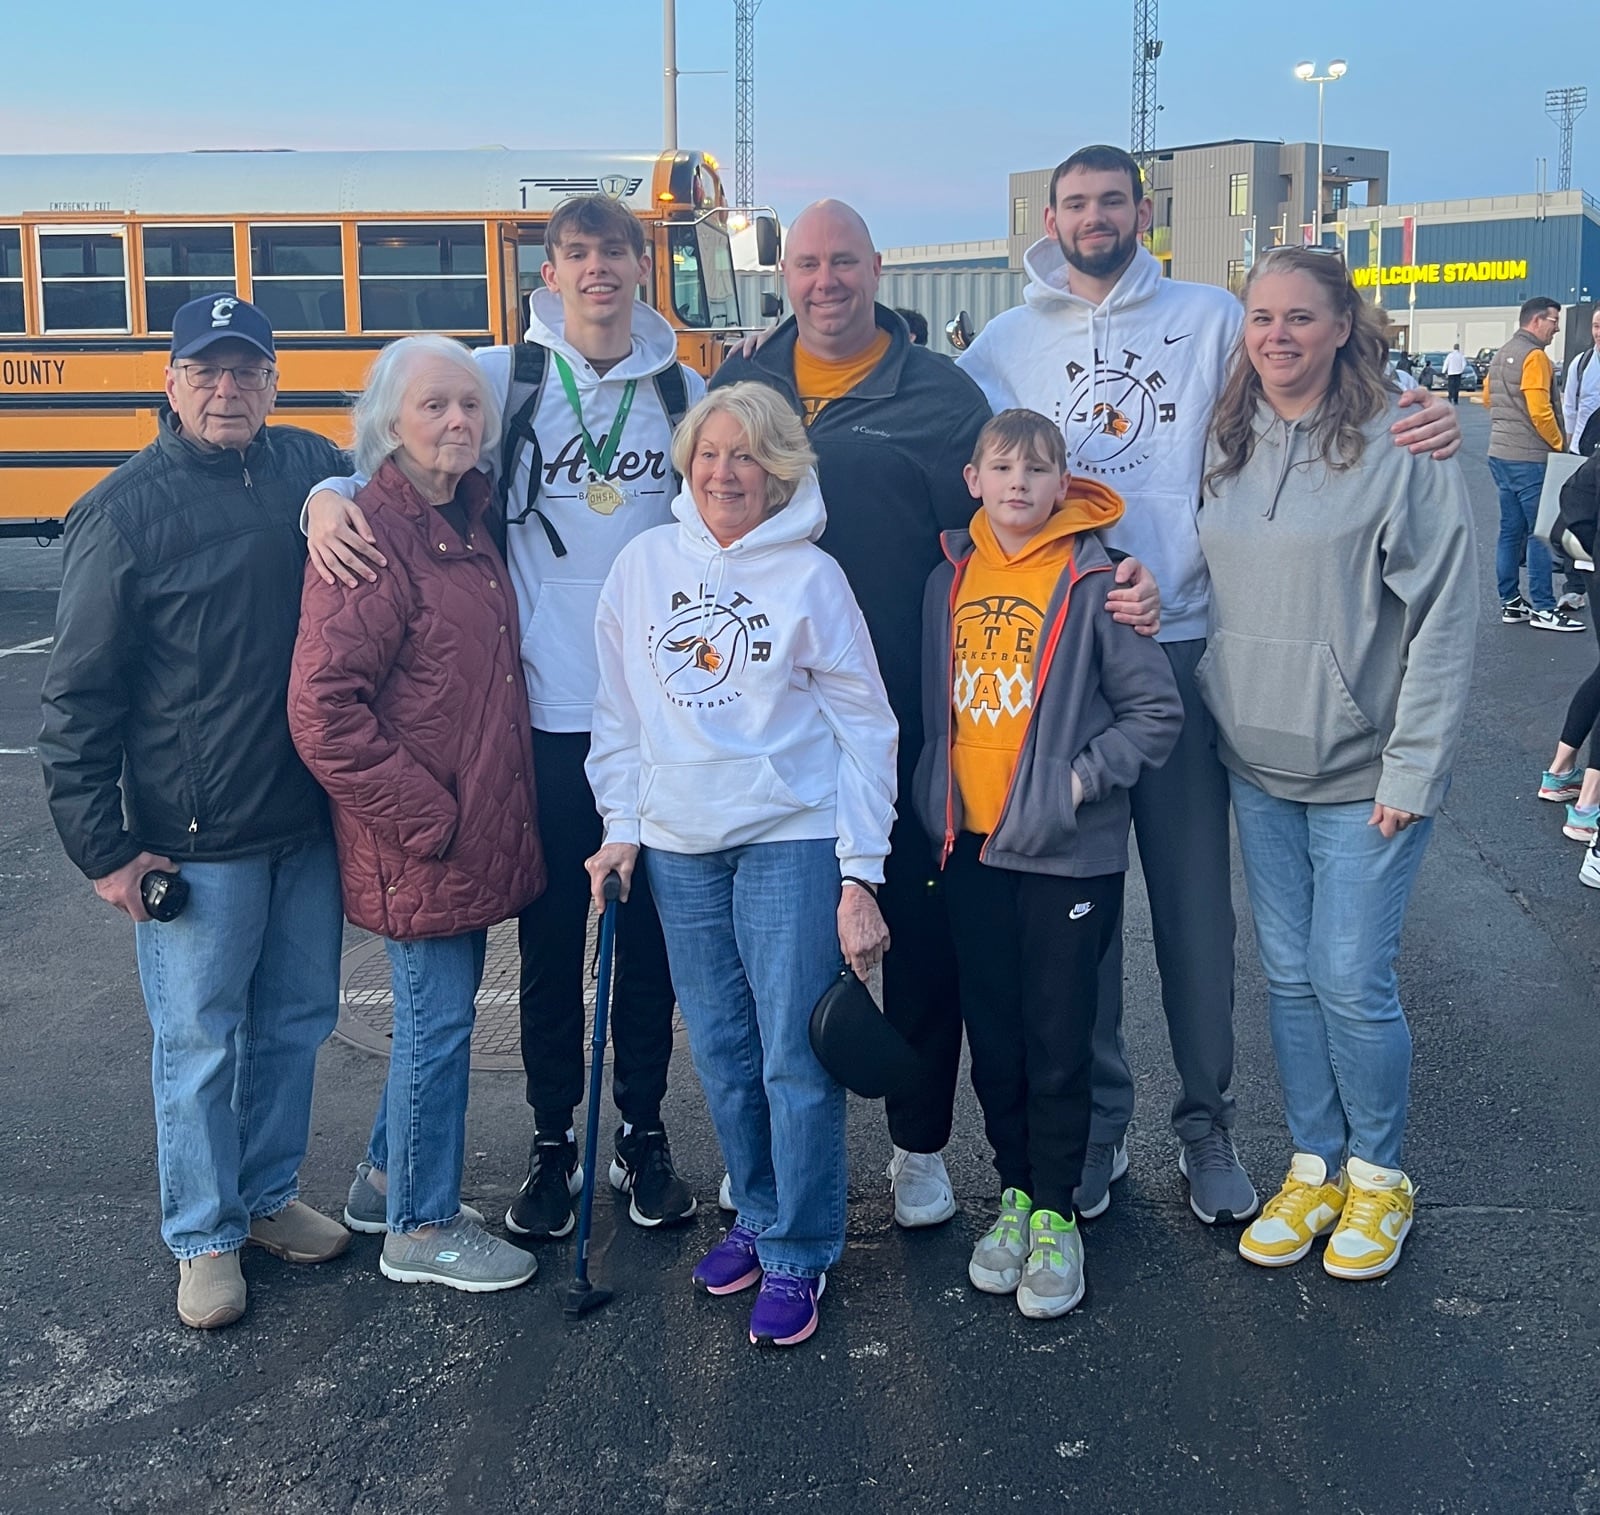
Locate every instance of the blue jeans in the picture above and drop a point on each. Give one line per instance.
(242, 989)
(1328, 893)
(419, 1136)
(753, 939)
(1520, 486)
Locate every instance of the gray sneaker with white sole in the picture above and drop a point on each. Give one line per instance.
(1103, 1164)
(366, 1209)
(461, 1255)
(1220, 1190)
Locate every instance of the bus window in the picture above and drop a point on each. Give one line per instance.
(297, 277)
(703, 288)
(530, 270)
(85, 280)
(423, 278)
(10, 278)
(181, 263)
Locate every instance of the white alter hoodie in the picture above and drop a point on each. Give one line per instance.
(1132, 383)
(739, 697)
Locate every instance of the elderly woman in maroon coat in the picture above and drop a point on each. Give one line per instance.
(407, 702)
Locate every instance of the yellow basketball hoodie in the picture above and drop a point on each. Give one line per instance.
(997, 631)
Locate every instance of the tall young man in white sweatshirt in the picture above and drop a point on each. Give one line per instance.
(1130, 364)
(603, 440)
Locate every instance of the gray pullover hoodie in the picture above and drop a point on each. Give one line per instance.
(1343, 611)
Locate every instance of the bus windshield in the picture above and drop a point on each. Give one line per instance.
(704, 291)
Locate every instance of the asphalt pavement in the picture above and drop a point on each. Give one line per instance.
(1188, 1380)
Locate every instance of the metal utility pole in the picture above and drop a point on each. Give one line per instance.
(1564, 106)
(744, 101)
(1146, 49)
(669, 75)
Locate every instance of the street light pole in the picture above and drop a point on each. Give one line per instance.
(669, 74)
(1308, 72)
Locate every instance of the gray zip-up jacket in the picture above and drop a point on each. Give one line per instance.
(1105, 706)
(1343, 612)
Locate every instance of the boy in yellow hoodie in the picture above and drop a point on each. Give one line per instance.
(1040, 711)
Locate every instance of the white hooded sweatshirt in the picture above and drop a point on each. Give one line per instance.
(739, 697)
(1132, 383)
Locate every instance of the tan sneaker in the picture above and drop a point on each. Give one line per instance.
(299, 1234)
(210, 1290)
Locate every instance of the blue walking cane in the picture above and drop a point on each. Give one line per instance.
(582, 1296)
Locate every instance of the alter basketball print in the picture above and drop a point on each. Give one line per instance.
(1112, 413)
(995, 638)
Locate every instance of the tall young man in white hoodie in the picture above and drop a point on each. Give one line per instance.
(1130, 364)
(603, 439)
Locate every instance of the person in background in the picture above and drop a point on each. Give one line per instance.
(1339, 700)
(916, 324)
(406, 702)
(1040, 712)
(1580, 395)
(1524, 429)
(1455, 364)
(743, 739)
(166, 747)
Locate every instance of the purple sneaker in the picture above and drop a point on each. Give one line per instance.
(786, 1309)
(731, 1265)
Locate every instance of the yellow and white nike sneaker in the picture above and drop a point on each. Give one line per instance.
(1307, 1206)
(1377, 1215)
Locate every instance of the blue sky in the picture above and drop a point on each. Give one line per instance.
(914, 110)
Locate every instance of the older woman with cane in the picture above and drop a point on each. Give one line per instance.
(743, 739)
(406, 702)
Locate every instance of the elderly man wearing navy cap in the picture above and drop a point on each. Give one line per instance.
(176, 789)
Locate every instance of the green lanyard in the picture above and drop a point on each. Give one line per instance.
(599, 460)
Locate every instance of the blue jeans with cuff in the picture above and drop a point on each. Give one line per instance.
(1329, 893)
(241, 989)
(752, 934)
(1520, 485)
(419, 1136)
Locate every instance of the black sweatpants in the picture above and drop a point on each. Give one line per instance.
(1029, 947)
(552, 935)
(1583, 713)
(921, 998)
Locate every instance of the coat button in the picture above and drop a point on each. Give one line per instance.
(508, 678)
(443, 548)
(516, 777)
(391, 888)
(493, 585)
(502, 631)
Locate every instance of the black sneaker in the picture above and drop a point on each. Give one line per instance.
(643, 1169)
(1516, 611)
(542, 1208)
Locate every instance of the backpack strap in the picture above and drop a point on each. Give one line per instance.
(529, 364)
(672, 389)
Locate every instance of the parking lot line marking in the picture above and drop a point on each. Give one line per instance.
(42, 645)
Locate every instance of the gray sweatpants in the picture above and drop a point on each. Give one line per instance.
(1180, 817)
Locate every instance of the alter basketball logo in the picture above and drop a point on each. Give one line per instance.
(704, 646)
(1113, 413)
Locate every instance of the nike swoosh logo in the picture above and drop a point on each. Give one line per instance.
(1184, 338)
(1079, 910)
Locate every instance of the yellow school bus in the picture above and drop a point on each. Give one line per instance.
(342, 251)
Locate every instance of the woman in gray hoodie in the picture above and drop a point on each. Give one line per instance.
(1338, 664)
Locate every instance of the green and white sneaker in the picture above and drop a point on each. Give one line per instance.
(461, 1255)
(1052, 1280)
(998, 1258)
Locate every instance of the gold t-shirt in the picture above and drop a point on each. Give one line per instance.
(820, 380)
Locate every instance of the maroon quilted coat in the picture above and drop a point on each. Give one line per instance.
(406, 702)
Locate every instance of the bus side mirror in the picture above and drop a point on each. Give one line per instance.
(768, 246)
(771, 306)
(959, 331)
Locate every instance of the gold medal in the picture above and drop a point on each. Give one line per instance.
(601, 497)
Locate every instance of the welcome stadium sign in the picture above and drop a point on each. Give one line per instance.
(1488, 271)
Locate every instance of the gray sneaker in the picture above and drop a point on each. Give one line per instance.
(1219, 1188)
(998, 1258)
(1103, 1164)
(366, 1210)
(1052, 1281)
(461, 1255)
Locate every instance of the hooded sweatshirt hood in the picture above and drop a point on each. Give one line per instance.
(1131, 382)
(739, 697)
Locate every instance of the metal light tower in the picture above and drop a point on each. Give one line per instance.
(1564, 106)
(1146, 49)
(1308, 71)
(744, 101)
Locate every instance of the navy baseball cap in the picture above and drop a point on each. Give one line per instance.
(214, 318)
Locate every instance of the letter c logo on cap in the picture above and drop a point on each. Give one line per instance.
(222, 310)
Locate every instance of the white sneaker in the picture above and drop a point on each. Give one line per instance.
(725, 1195)
(1589, 872)
(922, 1192)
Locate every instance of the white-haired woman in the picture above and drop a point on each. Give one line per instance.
(742, 736)
(406, 702)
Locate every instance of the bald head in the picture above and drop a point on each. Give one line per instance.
(830, 272)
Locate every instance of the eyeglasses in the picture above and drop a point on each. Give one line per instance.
(209, 375)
